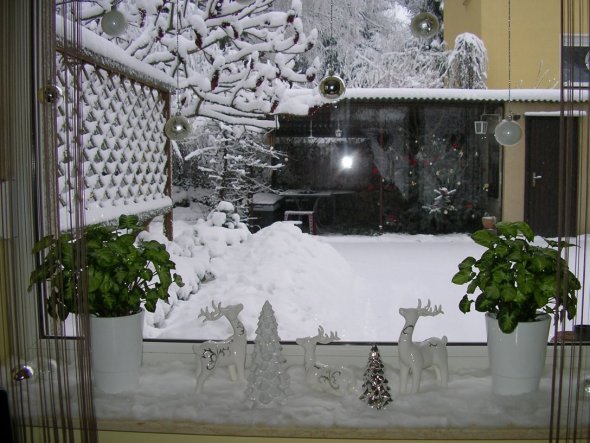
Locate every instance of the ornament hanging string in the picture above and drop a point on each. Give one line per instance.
(509, 59)
(332, 55)
(178, 55)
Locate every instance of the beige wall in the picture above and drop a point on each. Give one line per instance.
(534, 42)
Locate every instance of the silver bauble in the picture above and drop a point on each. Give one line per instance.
(332, 87)
(178, 127)
(424, 25)
(508, 132)
(49, 94)
(113, 23)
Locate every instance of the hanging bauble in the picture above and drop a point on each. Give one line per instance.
(424, 25)
(508, 132)
(49, 94)
(332, 87)
(114, 23)
(178, 127)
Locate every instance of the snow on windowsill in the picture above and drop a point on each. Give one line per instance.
(166, 402)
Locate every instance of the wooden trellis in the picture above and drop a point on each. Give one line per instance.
(126, 155)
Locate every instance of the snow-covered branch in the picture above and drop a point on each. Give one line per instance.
(231, 61)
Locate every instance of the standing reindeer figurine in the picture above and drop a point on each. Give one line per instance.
(414, 357)
(322, 377)
(215, 354)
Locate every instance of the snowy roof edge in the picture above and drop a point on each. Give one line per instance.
(312, 97)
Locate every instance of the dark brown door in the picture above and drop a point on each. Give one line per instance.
(542, 167)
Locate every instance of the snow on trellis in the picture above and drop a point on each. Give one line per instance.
(124, 146)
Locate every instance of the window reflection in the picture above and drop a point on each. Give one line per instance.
(418, 167)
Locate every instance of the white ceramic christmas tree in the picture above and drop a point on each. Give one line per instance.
(268, 381)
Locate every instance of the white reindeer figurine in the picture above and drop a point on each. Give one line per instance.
(321, 377)
(229, 353)
(414, 357)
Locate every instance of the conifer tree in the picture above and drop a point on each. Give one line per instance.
(467, 65)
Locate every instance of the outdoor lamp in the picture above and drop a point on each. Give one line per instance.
(332, 87)
(178, 127)
(424, 25)
(346, 162)
(114, 22)
(508, 132)
(481, 127)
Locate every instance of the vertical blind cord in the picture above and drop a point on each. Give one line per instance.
(567, 409)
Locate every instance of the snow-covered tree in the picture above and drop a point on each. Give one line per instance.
(268, 381)
(230, 160)
(233, 60)
(369, 44)
(467, 65)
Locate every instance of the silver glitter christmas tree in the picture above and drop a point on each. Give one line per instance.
(375, 386)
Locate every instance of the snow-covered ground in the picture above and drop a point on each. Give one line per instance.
(352, 284)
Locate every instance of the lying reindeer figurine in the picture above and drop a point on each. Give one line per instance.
(321, 377)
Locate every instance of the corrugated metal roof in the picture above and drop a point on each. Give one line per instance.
(479, 95)
(299, 100)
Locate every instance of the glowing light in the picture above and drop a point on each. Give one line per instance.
(346, 162)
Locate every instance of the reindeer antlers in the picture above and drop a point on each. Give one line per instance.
(219, 311)
(214, 315)
(324, 338)
(321, 337)
(428, 310)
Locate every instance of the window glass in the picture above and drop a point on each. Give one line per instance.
(576, 60)
(416, 168)
(391, 226)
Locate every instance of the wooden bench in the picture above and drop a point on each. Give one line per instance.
(290, 215)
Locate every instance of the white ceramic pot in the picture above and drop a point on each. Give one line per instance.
(517, 360)
(117, 350)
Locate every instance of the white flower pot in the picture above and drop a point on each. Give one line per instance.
(117, 350)
(517, 360)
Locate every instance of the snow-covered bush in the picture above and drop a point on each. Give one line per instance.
(468, 61)
(225, 216)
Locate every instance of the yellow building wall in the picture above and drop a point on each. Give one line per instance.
(534, 38)
(535, 53)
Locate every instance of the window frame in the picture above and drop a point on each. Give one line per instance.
(578, 40)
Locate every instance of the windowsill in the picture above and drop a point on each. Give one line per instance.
(397, 433)
(166, 403)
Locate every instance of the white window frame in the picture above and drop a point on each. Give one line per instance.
(579, 40)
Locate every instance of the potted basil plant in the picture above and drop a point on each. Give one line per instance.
(518, 284)
(124, 275)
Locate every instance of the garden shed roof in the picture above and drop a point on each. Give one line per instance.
(298, 101)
